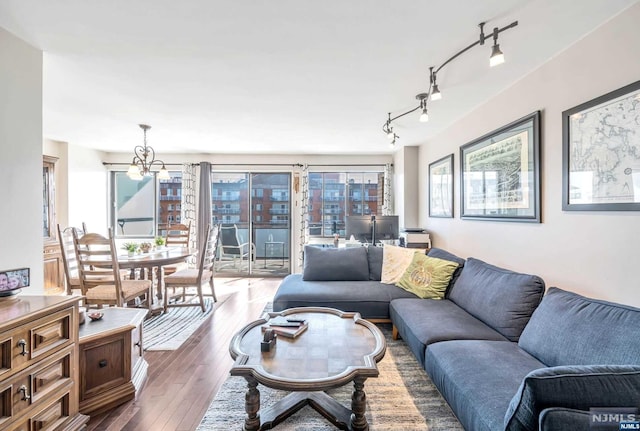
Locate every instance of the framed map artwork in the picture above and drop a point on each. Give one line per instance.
(601, 153)
(441, 187)
(500, 173)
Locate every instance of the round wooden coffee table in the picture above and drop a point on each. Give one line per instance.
(336, 349)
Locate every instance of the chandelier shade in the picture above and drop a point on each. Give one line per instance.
(143, 160)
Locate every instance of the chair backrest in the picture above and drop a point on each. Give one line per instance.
(229, 239)
(178, 234)
(98, 262)
(208, 252)
(69, 260)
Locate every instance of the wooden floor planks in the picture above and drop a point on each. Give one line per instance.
(182, 383)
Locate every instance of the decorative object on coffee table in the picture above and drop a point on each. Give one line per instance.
(308, 365)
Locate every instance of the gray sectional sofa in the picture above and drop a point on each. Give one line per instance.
(502, 355)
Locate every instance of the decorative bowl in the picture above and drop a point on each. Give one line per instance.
(95, 315)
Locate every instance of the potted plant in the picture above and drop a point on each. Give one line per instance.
(160, 241)
(131, 247)
(145, 247)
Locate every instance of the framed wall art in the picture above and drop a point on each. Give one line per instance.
(441, 187)
(601, 153)
(500, 173)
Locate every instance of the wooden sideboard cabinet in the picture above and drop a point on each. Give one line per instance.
(112, 365)
(39, 364)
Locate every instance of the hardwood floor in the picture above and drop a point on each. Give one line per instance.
(182, 383)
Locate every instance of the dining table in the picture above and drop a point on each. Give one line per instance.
(156, 258)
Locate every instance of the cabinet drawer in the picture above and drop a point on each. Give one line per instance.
(51, 415)
(35, 384)
(104, 365)
(28, 343)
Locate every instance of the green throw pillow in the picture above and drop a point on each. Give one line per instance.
(427, 277)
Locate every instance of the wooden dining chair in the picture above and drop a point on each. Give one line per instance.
(178, 235)
(194, 277)
(94, 254)
(69, 261)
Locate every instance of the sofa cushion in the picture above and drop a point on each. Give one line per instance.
(421, 322)
(569, 329)
(501, 298)
(443, 254)
(427, 277)
(369, 298)
(478, 378)
(374, 255)
(333, 264)
(395, 261)
(577, 387)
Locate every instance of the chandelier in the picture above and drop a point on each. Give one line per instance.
(144, 158)
(433, 93)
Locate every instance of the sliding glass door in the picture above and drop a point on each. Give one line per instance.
(254, 209)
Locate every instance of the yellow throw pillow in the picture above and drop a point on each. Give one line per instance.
(427, 277)
(395, 261)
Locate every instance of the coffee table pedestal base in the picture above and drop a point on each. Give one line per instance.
(332, 410)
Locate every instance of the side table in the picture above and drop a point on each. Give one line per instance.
(271, 245)
(112, 365)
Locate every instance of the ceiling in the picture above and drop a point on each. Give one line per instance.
(278, 76)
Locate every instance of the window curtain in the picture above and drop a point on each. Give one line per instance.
(387, 201)
(304, 213)
(204, 201)
(188, 200)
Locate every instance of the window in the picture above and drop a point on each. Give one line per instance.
(139, 206)
(335, 195)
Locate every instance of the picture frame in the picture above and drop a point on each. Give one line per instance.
(601, 153)
(500, 173)
(441, 187)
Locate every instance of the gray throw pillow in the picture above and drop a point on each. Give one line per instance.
(335, 264)
(574, 387)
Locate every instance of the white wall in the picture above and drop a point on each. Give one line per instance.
(88, 189)
(592, 253)
(21, 158)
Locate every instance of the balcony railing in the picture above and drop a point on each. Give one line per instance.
(278, 211)
(278, 198)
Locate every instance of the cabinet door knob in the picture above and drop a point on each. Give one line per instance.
(102, 363)
(25, 395)
(22, 343)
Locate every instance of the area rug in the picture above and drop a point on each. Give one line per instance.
(401, 398)
(169, 330)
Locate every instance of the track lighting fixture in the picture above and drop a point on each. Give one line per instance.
(433, 93)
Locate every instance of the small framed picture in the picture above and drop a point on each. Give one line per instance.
(601, 153)
(500, 173)
(441, 187)
(13, 280)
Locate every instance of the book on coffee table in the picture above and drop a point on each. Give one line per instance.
(286, 328)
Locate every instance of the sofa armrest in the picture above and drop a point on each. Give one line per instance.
(562, 419)
(577, 387)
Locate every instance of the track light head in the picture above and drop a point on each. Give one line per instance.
(497, 57)
(435, 93)
(424, 117)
